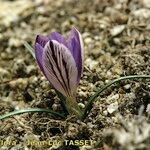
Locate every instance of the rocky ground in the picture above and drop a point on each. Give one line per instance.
(116, 43)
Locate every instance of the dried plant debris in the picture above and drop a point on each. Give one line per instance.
(116, 43)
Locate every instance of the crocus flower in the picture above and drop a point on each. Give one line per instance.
(61, 60)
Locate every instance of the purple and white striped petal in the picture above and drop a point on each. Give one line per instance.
(57, 37)
(38, 56)
(42, 40)
(75, 45)
(60, 67)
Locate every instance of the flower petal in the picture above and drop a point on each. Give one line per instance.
(38, 55)
(42, 40)
(60, 67)
(57, 37)
(75, 45)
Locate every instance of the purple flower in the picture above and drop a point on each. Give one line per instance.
(61, 60)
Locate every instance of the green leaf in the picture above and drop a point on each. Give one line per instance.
(29, 48)
(29, 110)
(93, 98)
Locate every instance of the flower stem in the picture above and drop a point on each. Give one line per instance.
(72, 107)
(92, 98)
(29, 110)
(62, 102)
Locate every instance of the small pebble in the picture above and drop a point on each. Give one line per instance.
(55, 107)
(88, 40)
(81, 105)
(30, 69)
(146, 3)
(105, 113)
(20, 83)
(112, 98)
(148, 109)
(3, 72)
(91, 63)
(142, 13)
(127, 86)
(117, 30)
(112, 107)
(81, 93)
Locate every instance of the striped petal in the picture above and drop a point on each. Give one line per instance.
(42, 40)
(57, 37)
(75, 45)
(60, 67)
(38, 55)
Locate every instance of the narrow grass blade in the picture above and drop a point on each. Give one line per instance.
(93, 98)
(29, 48)
(30, 110)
